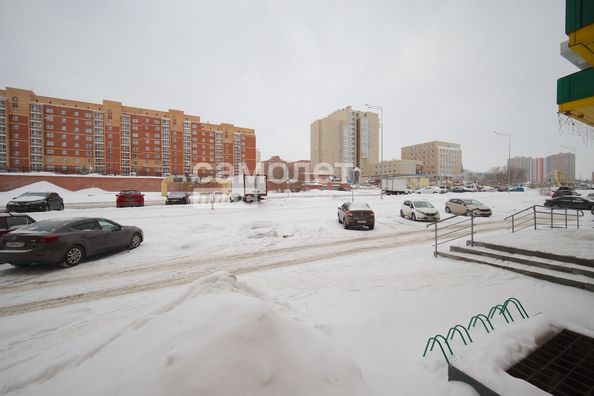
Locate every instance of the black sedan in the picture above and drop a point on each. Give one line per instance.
(36, 202)
(66, 241)
(570, 202)
(178, 198)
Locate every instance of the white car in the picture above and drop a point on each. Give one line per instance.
(430, 190)
(419, 209)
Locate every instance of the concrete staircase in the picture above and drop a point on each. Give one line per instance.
(566, 270)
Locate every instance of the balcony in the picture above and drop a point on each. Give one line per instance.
(575, 93)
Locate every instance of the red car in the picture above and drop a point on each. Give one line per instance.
(12, 221)
(129, 198)
(564, 192)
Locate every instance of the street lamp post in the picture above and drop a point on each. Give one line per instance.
(574, 161)
(353, 183)
(508, 158)
(381, 109)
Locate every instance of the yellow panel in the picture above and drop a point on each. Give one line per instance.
(582, 43)
(582, 110)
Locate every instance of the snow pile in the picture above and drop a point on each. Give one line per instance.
(220, 337)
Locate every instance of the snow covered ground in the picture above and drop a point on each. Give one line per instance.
(275, 299)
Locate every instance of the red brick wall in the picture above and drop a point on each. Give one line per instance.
(10, 181)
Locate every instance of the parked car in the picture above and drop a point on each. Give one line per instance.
(445, 189)
(66, 241)
(178, 198)
(34, 201)
(129, 198)
(570, 202)
(516, 189)
(356, 214)
(419, 210)
(430, 190)
(461, 189)
(564, 192)
(12, 221)
(466, 206)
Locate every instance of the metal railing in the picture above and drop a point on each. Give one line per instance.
(452, 231)
(539, 215)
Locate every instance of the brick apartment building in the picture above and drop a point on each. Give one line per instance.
(39, 133)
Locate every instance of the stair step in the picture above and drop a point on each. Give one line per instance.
(564, 278)
(530, 260)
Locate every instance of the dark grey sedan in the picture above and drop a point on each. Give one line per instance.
(570, 202)
(66, 241)
(356, 214)
(178, 198)
(33, 201)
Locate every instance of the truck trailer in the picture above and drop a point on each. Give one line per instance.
(248, 188)
(394, 186)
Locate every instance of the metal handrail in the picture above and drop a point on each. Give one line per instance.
(529, 217)
(468, 217)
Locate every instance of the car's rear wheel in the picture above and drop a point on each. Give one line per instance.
(339, 221)
(135, 241)
(61, 207)
(448, 210)
(74, 256)
(346, 225)
(401, 214)
(47, 208)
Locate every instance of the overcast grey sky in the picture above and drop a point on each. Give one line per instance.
(452, 70)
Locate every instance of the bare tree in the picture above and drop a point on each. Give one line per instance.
(517, 175)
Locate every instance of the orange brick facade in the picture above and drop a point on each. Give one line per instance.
(65, 136)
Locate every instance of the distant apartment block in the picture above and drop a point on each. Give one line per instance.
(538, 168)
(564, 162)
(39, 133)
(442, 161)
(346, 139)
(396, 167)
(523, 163)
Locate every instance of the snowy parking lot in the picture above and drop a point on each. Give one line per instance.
(270, 298)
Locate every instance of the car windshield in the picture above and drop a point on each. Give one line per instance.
(423, 204)
(177, 194)
(129, 192)
(472, 202)
(34, 194)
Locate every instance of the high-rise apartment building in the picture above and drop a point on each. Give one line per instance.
(522, 163)
(344, 140)
(441, 160)
(67, 136)
(538, 169)
(564, 162)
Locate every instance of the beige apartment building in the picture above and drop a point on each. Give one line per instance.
(442, 161)
(345, 140)
(40, 133)
(396, 167)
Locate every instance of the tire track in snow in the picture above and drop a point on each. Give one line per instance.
(154, 275)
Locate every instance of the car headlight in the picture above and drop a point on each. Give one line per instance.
(10, 203)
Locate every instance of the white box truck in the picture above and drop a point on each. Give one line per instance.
(394, 186)
(248, 188)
